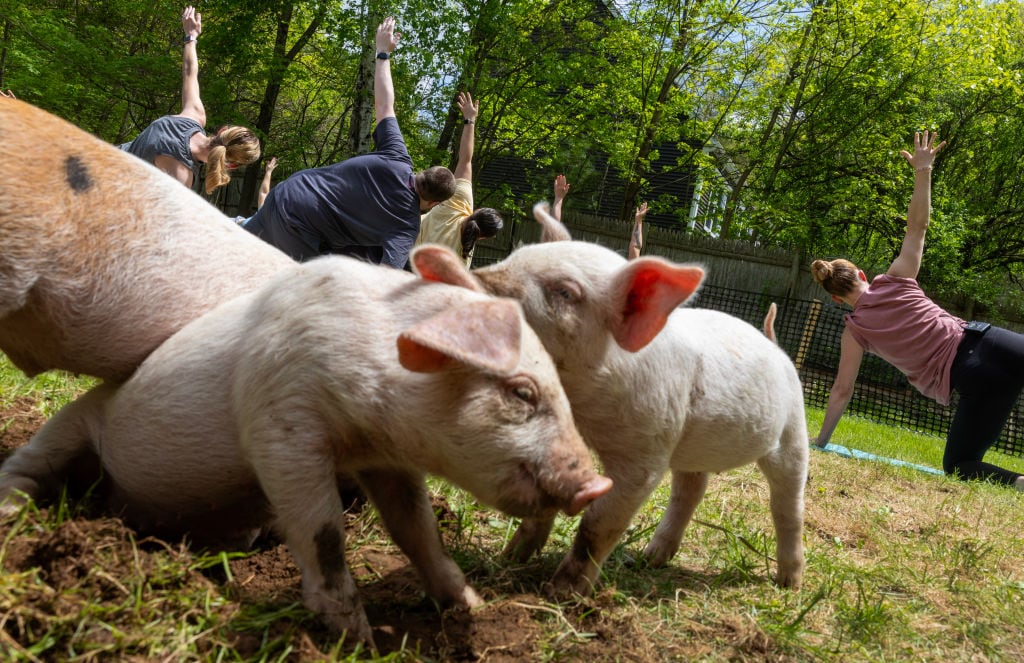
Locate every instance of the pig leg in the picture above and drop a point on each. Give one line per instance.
(786, 471)
(687, 492)
(605, 520)
(292, 457)
(43, 464)
(529, 538)
(404, 505)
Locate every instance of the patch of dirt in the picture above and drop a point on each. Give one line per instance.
(92, 561)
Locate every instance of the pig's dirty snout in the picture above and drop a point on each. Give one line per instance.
(593, 489)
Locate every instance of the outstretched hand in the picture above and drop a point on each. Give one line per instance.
(387, 38)
(191, 21)
(641, 212)
(925, 150)
(468, 107)
(561, 187)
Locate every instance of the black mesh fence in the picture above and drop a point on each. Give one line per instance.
(809, 331)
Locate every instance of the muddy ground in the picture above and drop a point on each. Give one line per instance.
(516, 624)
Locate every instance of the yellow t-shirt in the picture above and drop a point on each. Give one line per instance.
(443, 223)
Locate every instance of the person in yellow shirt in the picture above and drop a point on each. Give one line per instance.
(453, 222)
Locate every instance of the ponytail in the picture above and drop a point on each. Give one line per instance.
(235, 144)
(481, 224)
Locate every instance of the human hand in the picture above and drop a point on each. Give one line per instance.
(272, 164)
(561, 187)
(191, 21)
(8, 94)
(468, 107)
(641, 212)
(924, 150)
(818, 442)
(387, 38)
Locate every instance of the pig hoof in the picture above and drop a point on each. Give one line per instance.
(656, 556)
(789, 580)
(519, 551)
(561, 589)
(14, 495)
(470, 598)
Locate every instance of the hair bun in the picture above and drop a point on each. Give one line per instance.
(821, 270)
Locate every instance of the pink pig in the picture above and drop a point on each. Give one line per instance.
(102, 256)
(655, 388)
(336, 367)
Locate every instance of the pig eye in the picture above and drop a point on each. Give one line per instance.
(524, 394)
(524, 390)
(566, 290)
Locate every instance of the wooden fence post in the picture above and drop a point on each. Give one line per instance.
(808, 334)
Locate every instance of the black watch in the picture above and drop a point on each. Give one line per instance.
(189, 38)
(383, 55)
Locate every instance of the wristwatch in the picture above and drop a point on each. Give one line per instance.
(468, 121)
(383, 55)
(189, 38)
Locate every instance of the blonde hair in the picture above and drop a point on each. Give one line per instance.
(838, 277)
(236, 144)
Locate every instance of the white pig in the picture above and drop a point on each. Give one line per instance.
(655, 388)
(102, 256)
(335, 367)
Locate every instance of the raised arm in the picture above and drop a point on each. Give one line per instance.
(561, 189)
(265, 183)
(191, 103)
(383, 88)
(850, 356)
(469, 108)
(908, 262)
(636, 238)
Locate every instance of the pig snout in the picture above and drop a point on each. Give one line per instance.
(568, 476)
(593, 489)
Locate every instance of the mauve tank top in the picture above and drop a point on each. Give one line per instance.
(895, 320)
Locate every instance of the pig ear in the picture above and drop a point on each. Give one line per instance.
(433, 262)
(485, 335)
(551, 229)
(644, 293)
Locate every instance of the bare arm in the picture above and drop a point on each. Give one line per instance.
(383, 87)
(636, 238)
(908, 263)
(561, 189)
(469, 108)
(850, 356)
(191, 103)
(265, 184)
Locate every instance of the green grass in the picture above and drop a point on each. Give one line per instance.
(901, 566)
(865, 435)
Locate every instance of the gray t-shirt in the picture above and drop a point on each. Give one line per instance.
(168, 136)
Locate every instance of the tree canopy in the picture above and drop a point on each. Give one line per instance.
(803, 105)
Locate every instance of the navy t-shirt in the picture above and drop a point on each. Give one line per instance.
(365, 206)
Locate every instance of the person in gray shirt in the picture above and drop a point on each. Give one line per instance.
(178, 144)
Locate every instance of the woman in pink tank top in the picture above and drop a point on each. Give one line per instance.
(938, 352)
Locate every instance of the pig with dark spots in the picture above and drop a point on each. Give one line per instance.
(102, 256)
(336, 367)
(655, 388)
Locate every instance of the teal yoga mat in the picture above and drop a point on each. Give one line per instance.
(863, 455)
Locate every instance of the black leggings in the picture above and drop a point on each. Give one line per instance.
(988, 373)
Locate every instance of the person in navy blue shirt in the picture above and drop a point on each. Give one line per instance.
(367, 206)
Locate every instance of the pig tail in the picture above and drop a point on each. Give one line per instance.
(838, 277)
(236, 145)
(481, 224)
